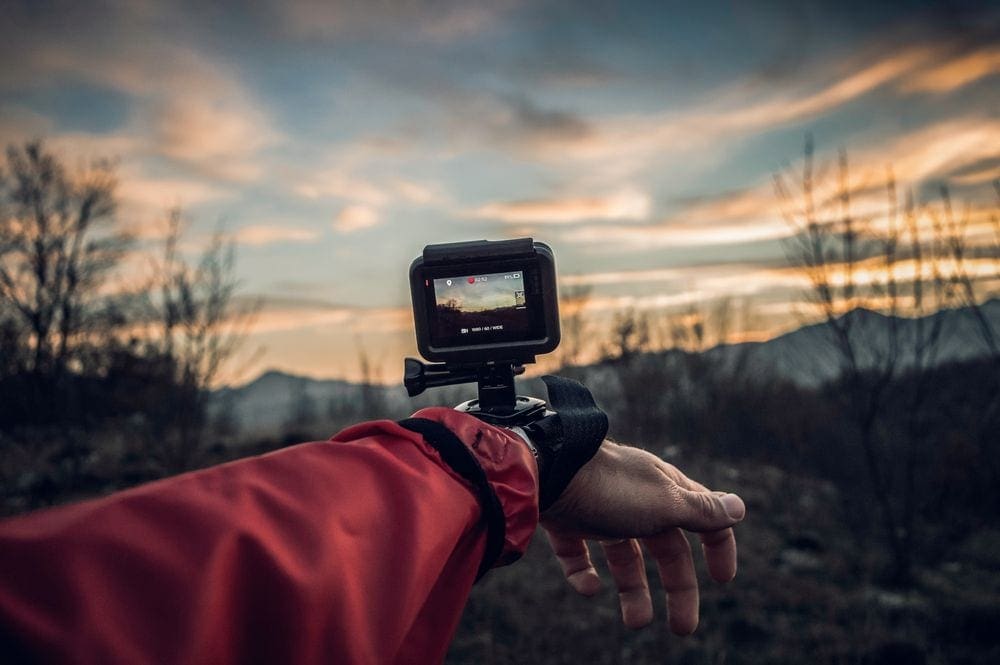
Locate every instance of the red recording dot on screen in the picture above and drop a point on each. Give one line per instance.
(472, 280)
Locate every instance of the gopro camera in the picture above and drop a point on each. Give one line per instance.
(481, 310)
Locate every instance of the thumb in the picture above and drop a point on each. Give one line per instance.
(706, 511)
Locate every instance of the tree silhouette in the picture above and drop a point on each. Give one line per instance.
(895, 263)
(58, 245)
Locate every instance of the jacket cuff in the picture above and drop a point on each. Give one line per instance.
(510, 470)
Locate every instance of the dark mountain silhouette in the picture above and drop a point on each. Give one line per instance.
(806, 356)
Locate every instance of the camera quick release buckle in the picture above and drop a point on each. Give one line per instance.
(498, 404)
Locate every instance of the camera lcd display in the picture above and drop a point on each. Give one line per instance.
(475, 308)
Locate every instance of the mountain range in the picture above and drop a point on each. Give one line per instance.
(808, 356)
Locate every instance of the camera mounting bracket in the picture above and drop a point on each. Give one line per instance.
(498, 404)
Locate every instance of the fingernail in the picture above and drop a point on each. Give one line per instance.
(734, 506)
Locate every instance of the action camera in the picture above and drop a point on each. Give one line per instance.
(485, 301)
(481, 311)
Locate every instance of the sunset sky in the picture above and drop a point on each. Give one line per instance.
(333, 140)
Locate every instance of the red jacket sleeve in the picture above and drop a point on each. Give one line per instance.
(361, 549)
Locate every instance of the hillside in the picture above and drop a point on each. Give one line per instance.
(266, 406)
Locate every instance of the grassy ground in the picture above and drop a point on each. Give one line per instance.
(808, 588)
(806, 592)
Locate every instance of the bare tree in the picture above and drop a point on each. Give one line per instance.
(830, 245)
(971, 289)
(198, 324)
(629, 335)
(854, 263)
(574, 327)
(373, 403)
(58, 244)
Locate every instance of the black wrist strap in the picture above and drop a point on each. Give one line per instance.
(567, 439)
(463, 462)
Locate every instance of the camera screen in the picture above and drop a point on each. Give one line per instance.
(473, 309)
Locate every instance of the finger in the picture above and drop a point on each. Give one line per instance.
(701, 511)
(719, 548)
(628, 569)
(676, 566)
(574, 557)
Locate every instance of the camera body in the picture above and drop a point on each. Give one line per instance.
(481, 310)
(485, 301)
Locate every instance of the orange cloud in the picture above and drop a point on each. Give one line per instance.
(930, 153)
(277, 315)
(219, 135)
(339, 182)
(627, 204)
(185, 106)
(335, 183)
(163, 193)
(619, 146)
(955, 73)
(779, 111)
(260, 234)
(938, 150)
(745, 216)
(623, 277)
(355, 218)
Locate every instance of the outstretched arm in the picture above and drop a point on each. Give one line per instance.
(360, 550)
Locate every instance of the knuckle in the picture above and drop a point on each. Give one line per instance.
(704, 505)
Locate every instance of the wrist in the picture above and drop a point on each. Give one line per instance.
(538, 454)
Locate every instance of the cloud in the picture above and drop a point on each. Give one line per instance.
(618, 146)
(363, 199)
(18, 124)
(978, 173)
(695, 287)
(355, 218)
(182, 104)
(726, 116)
(284, 314)
(960, 150)
(623, 277)
(261, 234)
(938, 150)
(438, 23)
(521, 119)
(510, 122)
(419, 193)
(782, 110)
(347, 176)
(956, 73)
(220, 136)
(626, 204)
(744, 216)
(335, 183)
(164, 193)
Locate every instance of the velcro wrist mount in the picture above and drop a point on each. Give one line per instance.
(567, 439)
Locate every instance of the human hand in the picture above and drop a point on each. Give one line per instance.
(623, 495)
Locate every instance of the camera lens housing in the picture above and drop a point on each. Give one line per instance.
(485, 301)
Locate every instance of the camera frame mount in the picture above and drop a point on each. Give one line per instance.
(497, 404)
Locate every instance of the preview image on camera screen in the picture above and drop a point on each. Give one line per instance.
(477, 306)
